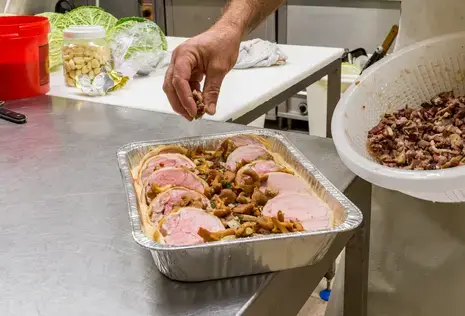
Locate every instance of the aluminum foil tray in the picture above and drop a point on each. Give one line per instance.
(249, 255)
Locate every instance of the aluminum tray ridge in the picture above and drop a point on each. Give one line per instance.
(248, 255)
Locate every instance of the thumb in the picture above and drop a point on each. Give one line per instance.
(211, 90)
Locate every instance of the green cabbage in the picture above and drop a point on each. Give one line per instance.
(90, 15)
(58, 21)
(142, 34)
(55, 42)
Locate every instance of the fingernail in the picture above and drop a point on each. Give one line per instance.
(212, 109)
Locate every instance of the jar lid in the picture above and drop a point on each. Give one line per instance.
(85, 32)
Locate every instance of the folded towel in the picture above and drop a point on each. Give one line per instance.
(259, 53)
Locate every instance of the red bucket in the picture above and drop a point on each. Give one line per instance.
(24, 70)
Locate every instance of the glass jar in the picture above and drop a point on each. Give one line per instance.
(85, 51)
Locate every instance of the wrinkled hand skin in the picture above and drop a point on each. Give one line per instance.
(211, 55)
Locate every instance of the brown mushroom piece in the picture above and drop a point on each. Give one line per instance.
(229, 176)
(271, 193)
(259, 198)
(243, 198)
(297, 226)
(201, 108)
(222, 212)
(246, 229)
(214, 180)
(228, 196)
(215, 236)
(244, 209)
(226, 148)
(250, 183)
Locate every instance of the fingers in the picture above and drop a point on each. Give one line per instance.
(181, 81)
(211, 90)
(170, 92)
(196, 78)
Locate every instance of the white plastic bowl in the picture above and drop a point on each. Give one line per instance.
(409, 77)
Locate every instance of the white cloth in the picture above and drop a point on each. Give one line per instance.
(259, 53)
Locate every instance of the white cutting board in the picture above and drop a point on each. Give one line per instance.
(242, 90)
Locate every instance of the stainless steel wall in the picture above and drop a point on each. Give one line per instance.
(28, 6)
(120, 8)
(341, 23)
(187, 18)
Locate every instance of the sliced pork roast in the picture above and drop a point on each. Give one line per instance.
(173, 198)
(169, 149)
(247, 154)
(169, 177)
(312, 212)
(281, 182)
(163, 161)
(261, 167)
(245, 140)
(181, 227)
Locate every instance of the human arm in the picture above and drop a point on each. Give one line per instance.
(212, 54)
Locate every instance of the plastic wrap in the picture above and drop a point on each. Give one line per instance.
(139, 49)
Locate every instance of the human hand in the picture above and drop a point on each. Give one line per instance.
(211, 54)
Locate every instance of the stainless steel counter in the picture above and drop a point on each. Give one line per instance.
(65, 241)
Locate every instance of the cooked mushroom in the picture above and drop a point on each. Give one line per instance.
(215, 236)
(243, 198)
(271, 193)
(259, 198)
(246, 229)
(244, 209)
(201, 108)
(228, 196)
(214, 180)
(229, 176)
(222, 212)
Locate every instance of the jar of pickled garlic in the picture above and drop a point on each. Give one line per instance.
(85, 52)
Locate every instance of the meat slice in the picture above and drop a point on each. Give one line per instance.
(181, 227)
(169, 149)
(165, 202)
(247, 154)
(245, 140)
(163, 161)
(312, 212)
(261, 167)
(284, 182)
(166, 178)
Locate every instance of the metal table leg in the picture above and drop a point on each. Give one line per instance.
(334, 94)
(357, 253)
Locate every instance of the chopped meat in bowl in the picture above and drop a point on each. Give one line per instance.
(430, 137)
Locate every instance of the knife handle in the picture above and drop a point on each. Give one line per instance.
(12, 116)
